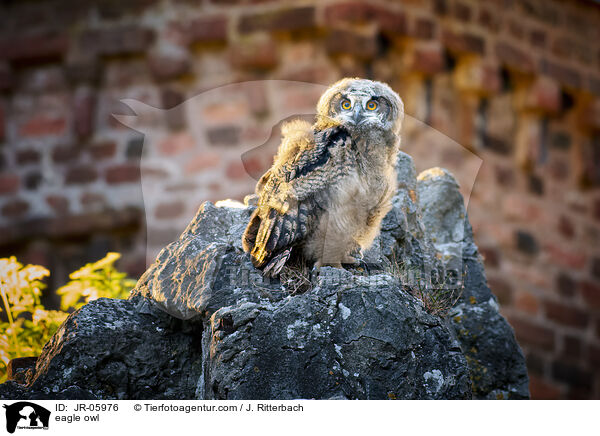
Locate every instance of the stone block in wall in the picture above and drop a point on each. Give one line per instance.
(84, 112)
(589, 115)
(514, 57)
(474, 75)
(463, 42)
(33, 48)
(361, 44)
(258, 53)
(543, 95)
(423, 57)
(283, 19)
(563, 74)
(121, 40)
(9, 183)
(388, 20)
(199, 30)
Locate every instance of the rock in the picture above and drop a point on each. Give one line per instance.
(203, 323)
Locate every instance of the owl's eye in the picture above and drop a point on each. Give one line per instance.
(346, 105)
(372, 105)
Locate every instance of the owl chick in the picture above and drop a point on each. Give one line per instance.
(331, 183)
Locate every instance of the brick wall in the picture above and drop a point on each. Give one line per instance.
(517, 82)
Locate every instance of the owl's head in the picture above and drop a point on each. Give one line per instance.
(361, 104)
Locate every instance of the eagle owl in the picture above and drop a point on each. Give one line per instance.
(331, 183)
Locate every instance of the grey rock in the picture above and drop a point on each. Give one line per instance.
(203, 323)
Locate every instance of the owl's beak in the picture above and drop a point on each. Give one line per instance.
(357, 114)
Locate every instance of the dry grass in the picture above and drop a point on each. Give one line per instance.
(296, 277)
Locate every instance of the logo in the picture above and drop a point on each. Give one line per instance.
(26, 415)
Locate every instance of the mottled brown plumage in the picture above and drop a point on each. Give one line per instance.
(331, 183)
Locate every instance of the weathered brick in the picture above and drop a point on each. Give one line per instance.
(43, 125)
(58, 203)
(541, 389)
(565, 314)
(40, 47)
(462, 12)
(531, 333)
(595, 268)
(32, 180)
(536, 184)
(92, 200)
(259, 54)
(571, 374)
(501, 289)
(340, 41)
(225, 135)
(84, 111)
(427, 59)
(103, 150)
(570, 258)
(6, 77)
(65, 153)
(563, 74)
(464, 42)
(489, 19)
(123, 40)
(566, 227)
(202, 161)
(286, 19)
(177, 143)
(9, 183)
(591, 294)
(514, 58)
(81, 174)
(424, 28)
(15, 208)
(199, 30)
(123, 173)
(526, 242)
(389, 21)
(169, 61)
(572, 347)
(491, 256)
(473, 75)
(29, 156)
(170, 210)
(537, 38)
(566, 285)
(526, 302)
(543, 95)
(589, 115)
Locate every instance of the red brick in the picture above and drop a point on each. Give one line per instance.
(358, 12)
(566, 315)
(9, 183)
(29, 156)
(81, 175)
(204, 29)
(489, 19)
(571, 374)
(526, 302)
(103, 150)
(254, 55)
(464, 42)
(202, 161)
(168, 62)
(594, 355)
(531, 333)
(58, 203)
(566, 227)
(544, 95)
(572, 347)
(339, 41)
(287, 19)
(84, 111)
(225, 135)
(541, 389)
(589, 114)
(514, 57)
(566, 257)
(169, 210)
(537, 38)
(15, 208)
(43, 125)
(424, 28)
(462, 12)
(92, 200)
(123, 40)
(501, 289)
(65, 153)
(6, 77)
(426, 59)
(473, 75)
(34, 48)
(591, 294)
(565, 75)
(177, 143)
(124, 173)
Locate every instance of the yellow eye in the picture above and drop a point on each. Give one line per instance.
(346, 105)
(371, 105)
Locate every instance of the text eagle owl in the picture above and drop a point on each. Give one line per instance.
(331, 183)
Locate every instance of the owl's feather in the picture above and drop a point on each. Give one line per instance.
(289, 199)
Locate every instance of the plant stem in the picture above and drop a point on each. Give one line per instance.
(9, 314)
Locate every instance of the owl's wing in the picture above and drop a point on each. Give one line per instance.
(288, 195)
